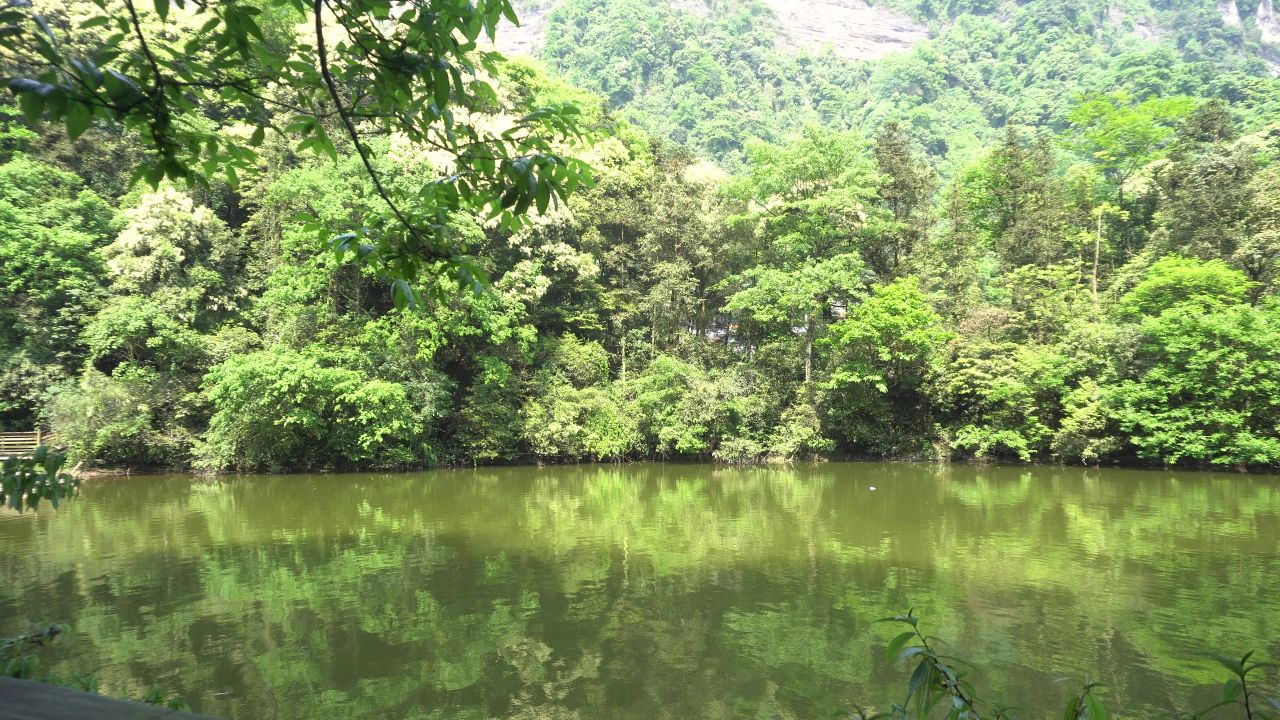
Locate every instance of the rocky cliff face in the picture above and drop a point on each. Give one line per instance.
(1268, 22)
(852, 28)
(1230, 12)
(529, 37)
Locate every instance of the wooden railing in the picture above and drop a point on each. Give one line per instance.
(21, 444)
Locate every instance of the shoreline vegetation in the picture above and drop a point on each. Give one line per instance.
(91, 473)
(1070, 252)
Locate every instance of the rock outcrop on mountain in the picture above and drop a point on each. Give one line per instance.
(529, 37)
(1230, 12)
(1268, 22)
(851, 28)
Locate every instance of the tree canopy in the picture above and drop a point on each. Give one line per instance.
(1035, 235)
(365, 70)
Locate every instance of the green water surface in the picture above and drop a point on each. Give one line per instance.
(647, 591)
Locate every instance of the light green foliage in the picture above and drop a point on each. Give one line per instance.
(676, 407)
(808, 201)
(50, 277)
(783, 298)
(989, 394)
(886, 353)
(716, 80)
(24, 483)
(568, 423)
(1258, 253)
(166, 243)
(174, 272)
(1122, 135)
(907, 186)
(800, 435)
(1044, 301)
(1017, 201)
(572, 412)
(1205, 381)
(1174, 282)
(143, 331)
(712, 83)
(1084, 435)
(280, 409)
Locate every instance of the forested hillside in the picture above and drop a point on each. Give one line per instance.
(714, 74)
(1047, 231)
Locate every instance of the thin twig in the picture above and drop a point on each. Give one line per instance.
(158, 82)
(361, 150)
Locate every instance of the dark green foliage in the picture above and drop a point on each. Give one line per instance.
(117, 65)
(17, 652)
(886, 354)
(27, 481)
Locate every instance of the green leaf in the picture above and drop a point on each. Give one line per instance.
(32, 106)
(895, 645)
(162, 9)
(917, 678)
(1235, 666)
(43, 25)
(27, 85)
(1231, 690)
(78, 119)
(543, 197)
(1073, 707)
(441, 88)
(403, 295)
(1097, 711)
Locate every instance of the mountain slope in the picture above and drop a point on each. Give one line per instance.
(715, 74)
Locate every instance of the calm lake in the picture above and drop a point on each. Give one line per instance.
(647, 591)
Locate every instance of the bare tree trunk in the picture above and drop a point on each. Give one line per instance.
(1097, 253)
(808, 349)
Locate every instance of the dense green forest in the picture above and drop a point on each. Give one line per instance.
(1038, 235)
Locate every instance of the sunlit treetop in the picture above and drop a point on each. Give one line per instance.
(326, 74)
